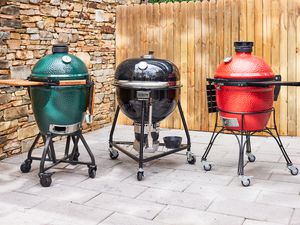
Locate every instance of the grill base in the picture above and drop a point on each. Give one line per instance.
(115, 146)
(242, 133)
(243, 137)
(49, 155)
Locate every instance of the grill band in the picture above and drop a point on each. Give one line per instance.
(147, 84)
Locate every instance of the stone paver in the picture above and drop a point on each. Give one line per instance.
(183, 216)
(139, 208)
(173, 192)
(252, 210)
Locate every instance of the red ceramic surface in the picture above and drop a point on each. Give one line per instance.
(245, 66)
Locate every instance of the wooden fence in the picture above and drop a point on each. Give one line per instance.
(196, 36)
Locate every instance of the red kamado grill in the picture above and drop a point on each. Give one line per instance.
(242, 92)
(232, 99)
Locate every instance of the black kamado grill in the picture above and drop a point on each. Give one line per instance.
(61, 92)
(148, 91)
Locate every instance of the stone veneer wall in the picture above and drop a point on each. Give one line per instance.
(28, 28)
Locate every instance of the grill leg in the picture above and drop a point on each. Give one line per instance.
(245, 180)
(52, 152)
(87, 148)
(67, 148)
(186, 130)
(49, 154)
(45, 153)
(45, 178)
(206, 165)
(293, 169)
(251, 157)
(112, 152)
(191, 158)
(140, 173)
(75, 152)
(112, 130)
(26, 165)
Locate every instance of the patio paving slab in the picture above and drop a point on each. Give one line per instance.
(172, 192)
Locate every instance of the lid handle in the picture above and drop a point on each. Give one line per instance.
(60, 48)
(243, 46)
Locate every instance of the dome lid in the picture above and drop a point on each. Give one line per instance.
(59, 66)
(244, 65)
(147, 68)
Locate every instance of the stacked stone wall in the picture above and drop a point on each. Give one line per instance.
(28, 29)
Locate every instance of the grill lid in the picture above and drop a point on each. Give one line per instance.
(59, 66)
(244, 65)
(147, 72)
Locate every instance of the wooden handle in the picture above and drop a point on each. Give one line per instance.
(24, 83)
(71, 82)
(93, 99)
(27, 83)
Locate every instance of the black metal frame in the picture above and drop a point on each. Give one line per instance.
(48, 154)
(140, 159)
(242, 136)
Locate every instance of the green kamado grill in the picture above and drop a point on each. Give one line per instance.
(59, 105)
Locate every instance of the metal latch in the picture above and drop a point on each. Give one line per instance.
(143, 95)
(229, 122)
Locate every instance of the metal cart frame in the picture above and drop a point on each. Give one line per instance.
(115, 146)
(48, 154)
(243, 136)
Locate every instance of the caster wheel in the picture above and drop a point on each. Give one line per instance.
(92, 171)
(246, 182)
(294, 170)
(191, 159)
(207, 167)
(251, 158)
(113, 154)
(26, 166)
(140, 176)
(45, 180)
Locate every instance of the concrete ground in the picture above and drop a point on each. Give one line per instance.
(172, 192)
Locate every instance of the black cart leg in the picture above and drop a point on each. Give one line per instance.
(245, 180)
(293, 169)
(251, 157)
(206, 165)
(140, 173)
(26, 165)
(92, 166)
(67, 148)
(45, 178)
(191, 158)
(114, 154)
(75, 153)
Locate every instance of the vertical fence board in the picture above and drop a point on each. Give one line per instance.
(177, 52)
(283, 44)
(170, 47)
(198, 58)
(204, 61)
(191, 65)
(227, 28)
(212, 53)
(292, 98)
(197, 35)
(258, 38)
(275, 56)
(184, 53)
